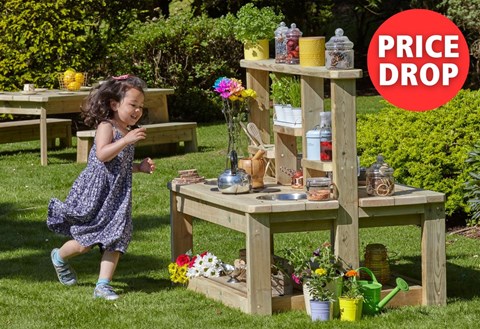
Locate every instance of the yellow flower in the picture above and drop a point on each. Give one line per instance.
(320, 271)
(249, 93)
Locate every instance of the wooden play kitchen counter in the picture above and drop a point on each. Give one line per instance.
(259, 220)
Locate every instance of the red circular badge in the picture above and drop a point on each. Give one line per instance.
(418, 60)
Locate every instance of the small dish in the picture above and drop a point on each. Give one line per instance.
(39, 90)
(28, 92)
(65, 92)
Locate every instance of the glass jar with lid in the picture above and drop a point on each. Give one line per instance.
(293, 50)
(320, 189)
(379, 180)
(281, 43)
(339, 52)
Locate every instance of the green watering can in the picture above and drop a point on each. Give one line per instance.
(371, 290)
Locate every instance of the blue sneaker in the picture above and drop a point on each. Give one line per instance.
(104, 291)
(66, 274)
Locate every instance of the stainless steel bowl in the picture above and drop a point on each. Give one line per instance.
(283, 197)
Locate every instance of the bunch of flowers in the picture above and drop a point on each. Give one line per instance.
(236, 105)
(187, 266)
(205, 264)
(351, 288)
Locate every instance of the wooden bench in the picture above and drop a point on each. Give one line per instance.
(157, 133)
(28, 130)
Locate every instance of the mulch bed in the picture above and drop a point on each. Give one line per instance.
(469, 232)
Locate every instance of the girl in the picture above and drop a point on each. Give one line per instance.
(97, 210)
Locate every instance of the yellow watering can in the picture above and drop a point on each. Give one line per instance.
(371, 290)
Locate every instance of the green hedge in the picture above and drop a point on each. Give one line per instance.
(38, 39)
(427, 149)
(185, 52)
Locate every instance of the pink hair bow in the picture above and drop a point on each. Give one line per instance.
(121, 77)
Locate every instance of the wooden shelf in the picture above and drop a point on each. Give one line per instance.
(313, 71)
(298, 132)
(235, 294)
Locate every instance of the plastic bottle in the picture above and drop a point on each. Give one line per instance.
(325, 137)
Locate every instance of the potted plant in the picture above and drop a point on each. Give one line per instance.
(254, 27)
(321, 297)
(320, 273)
(286, 93)
(295, 100)
(351, 300)
(279, 95)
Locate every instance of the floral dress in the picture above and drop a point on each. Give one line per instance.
(98, 208)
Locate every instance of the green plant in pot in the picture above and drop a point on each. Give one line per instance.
(279, 94)
(254, 27)
(294, 95)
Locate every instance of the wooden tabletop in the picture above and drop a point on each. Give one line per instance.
(50, 94)
(249, 202)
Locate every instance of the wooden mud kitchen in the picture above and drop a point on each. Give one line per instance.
(260, 219)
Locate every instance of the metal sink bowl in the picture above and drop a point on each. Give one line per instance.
(283, 197)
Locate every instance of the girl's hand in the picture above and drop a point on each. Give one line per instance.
(146, 166)
(135, 135)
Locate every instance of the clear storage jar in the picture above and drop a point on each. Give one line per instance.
(379, 180)
(281, 43)
(293, 49)
(339, 52)
(320, 189)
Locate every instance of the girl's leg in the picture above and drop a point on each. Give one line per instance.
(107, 269)
(108, 264)
(66, 274)
(71, 249)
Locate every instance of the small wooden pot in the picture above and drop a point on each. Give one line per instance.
(255, 168)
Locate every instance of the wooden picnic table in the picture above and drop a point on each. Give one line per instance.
(259, 220)
(51, 102)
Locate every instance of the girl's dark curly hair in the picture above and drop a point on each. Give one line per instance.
(97, 106)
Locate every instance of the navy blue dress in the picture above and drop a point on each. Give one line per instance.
(98, 208)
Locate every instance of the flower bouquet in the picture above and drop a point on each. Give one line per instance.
(187, 266)
(236, 106)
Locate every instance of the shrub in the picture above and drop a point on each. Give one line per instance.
(473, 185)
(38, 39)
(185, 52)
(427, 149)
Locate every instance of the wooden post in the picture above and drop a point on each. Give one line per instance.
(259, 286)
(260, 110)
(434, 271)
(43, 137)
(181, 236)
(344, 152)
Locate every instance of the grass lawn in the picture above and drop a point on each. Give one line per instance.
(31, 297)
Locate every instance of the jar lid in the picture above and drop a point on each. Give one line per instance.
(318, 182)
(380, 167)
(281, 30)
(339, 41)
(294, 31)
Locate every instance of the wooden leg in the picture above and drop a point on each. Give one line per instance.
(181, 238)
(434, 272)
(191, 146)
(43, 137)
(259, 286)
